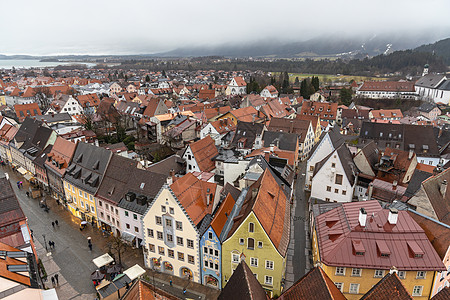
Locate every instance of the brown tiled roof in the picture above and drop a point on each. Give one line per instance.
(389, 86)
(62, 152)
(206, 94)
(27, 110)
(313, 119)
(10, 210)
(437, 233)
(92, 99)
(7, 261)
(247, 114)
(222, 213)
(444, 294)
(243, 285)
(240, 81)
(204, 150)
(388, 288)
(223, 125)
(271, 207)
(142, 290)
(192, 194)
(320, 109)
(386, 113)
(440, 203)
(151, 107)
(313, 285)
(297, 126)
(336, 239)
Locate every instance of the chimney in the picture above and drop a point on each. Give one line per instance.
(394, 185)
(443, 188)
(208, 199)
(254, 193)
(172, 172)
(411, 153)
(362, 217)
(370, 191)
(393, 216)
(271, 147)
(169, 180)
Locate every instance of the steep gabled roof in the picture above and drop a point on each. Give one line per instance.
(444, 294)
(243, 285)
(204, 150)
(347, 162)
(247, 131)
(283, 140)
(313, 285)
(13, 259)
(10, 210)
(222, 213)
(271, 207)
(440, 202)
(388, 288)
(193, 195)
(62, 153)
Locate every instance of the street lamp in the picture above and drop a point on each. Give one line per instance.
(45, 243)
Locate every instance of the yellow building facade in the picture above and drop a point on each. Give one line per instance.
(263, 258)
(80, 203)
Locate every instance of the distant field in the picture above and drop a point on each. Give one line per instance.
(331, 78)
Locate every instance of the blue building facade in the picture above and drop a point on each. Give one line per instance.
(210, 255)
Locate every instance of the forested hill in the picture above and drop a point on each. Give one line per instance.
(406, 62)
(440, 48)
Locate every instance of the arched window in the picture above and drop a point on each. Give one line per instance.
(251, 227)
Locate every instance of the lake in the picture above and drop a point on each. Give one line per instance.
(30, 63)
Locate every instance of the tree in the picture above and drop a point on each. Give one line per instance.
(315, 83)
(42, 94)
(164, 74)
(346, 96)
(147, 78)
(117, 245)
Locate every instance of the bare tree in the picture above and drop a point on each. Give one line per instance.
(117, 245)
(42, 94)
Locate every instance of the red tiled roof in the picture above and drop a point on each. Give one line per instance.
(313, 285)
(326, 111)
(204, 150)
(240, 81)
(9, 261)
(92, 99)
(31, 109)
(192, 194)
(62, 151)
(386, 113)
(221, 216)
(390, 86)
(223, 125)
(336, 246)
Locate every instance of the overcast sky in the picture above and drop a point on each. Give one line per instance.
(42, 27)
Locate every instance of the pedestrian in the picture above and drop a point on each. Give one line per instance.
(50, 244)
(53, 225)
(31, 230)
(53, 281)
(92, 223)
(56, 278)
(56, 222)
(53, 244)
(90, 246)
(184, 290)
(18, 184)
(21, 184)
(170, 282)
(57, 201)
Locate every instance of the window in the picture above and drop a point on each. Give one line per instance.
(170, 253)
(158, 220)
(190, 259)
(150, 232)
(250, 243)
(234, 257)
(338, 179)
(135, 216)
(179, 225)
(340, 271)
(379, 273)
(161, 250)
(354, 288)
(216, 253)
(311, 168)
(241, 241)
(344, 192)
(251, 227)
(136, 229)
(336, 191)
(216, 266)
(82, 204)
(268, 280)
(117, 212)
(260, 244)
(269, 265)
(171, 210)
(356, 272)
(211, 251)
(163, 208)
(417, 290)
(127, 225)
(80, 193)
(328, 188)
(401, 274)
(210, 235)
(85, 195)
(190, 243)
(102, 215)
(159, 235)
(253, 262)
(151, 247)
(169, 237)
(181, 256)
(100, 203)
(420, 275)
(333, 165)
(179, 241)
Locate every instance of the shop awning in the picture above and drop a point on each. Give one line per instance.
(127, 236)
(134, 272)
(102, 260)
(28, 176)
(21, 170)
